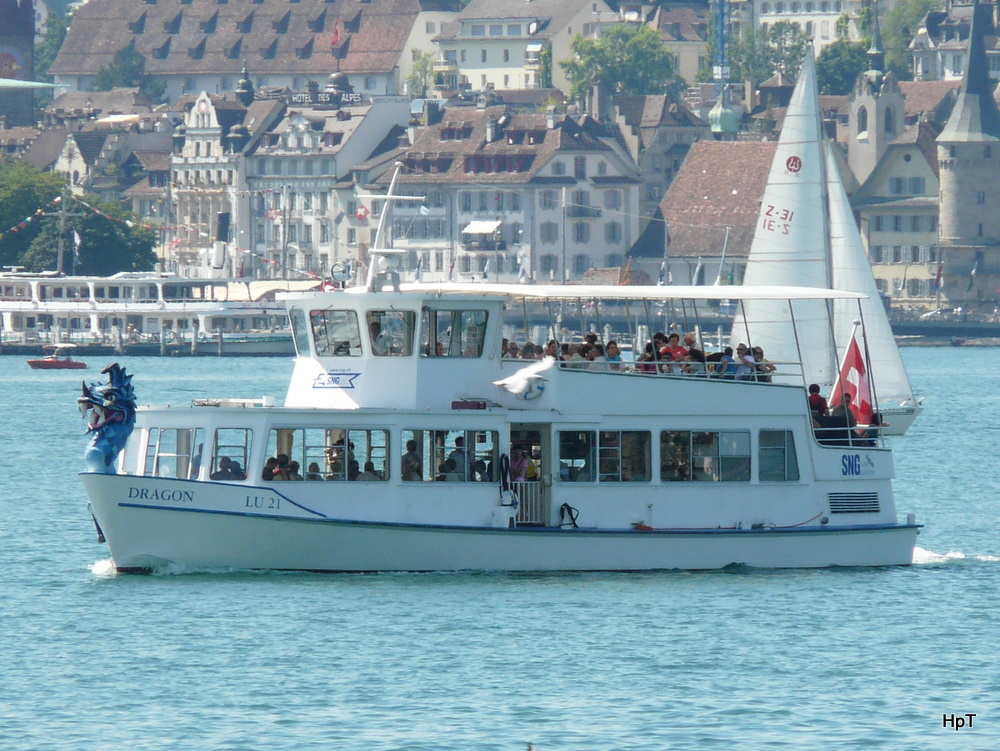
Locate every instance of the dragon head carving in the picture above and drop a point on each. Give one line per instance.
(109, 409)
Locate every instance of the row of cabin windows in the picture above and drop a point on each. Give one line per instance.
(443, 333)
(362, 454)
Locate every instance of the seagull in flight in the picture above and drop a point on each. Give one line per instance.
(520, 381)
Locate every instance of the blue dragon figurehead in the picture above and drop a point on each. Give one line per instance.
(110, 412)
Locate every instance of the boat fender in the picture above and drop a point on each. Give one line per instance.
(568, 516)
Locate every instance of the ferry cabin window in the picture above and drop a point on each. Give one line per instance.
(344, 454)
(777, 460)
(577, 455)
(624, 456)
(451, 455)
(300, 332)
(390, 332)
(705, 456)
(230, 454)
(453, 333)
(335, 333)
(174, 452)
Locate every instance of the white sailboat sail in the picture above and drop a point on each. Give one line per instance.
(851, 271)
(791, 246)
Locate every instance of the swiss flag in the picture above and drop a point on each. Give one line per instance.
(853, 380)
(335, 40)
(327, 286)
(362, 213)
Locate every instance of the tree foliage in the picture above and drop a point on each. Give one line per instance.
(24, 191)
(47, 46)
(759, 54)
(900, 27)
(421, 80)
(108, 243)
(839, 65)
(127, 69)
(627, 59)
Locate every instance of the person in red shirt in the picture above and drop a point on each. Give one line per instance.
(674, 348)
(817, 403)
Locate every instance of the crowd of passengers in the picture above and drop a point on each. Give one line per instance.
(664, 354)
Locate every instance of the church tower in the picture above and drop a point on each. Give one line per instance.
(969, 162)
(876, 111)
(17, 41)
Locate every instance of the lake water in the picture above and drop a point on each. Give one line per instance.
(831, 659)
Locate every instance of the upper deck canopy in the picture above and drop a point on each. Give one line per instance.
(591, 292)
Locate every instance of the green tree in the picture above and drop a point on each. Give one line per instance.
(108, 243)
(898, 31)
(24, 191)
(760, 54)
(47, 46)
(839, 65)
(627, 59)
(128, 69)
(421, 80)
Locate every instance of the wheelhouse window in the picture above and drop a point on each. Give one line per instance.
(230, 453)
(344, 454)
(453, 333)
(577, 455)
(335, 333)
(174, 452)
(450, 455)
(705, 456)
(624, 456)
(300, 332)
(777, 460)
(390, 332)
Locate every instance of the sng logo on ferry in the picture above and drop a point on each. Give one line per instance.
(793, 164)
(334, 380)
(853, 465)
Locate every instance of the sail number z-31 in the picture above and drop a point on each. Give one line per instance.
(777, 220)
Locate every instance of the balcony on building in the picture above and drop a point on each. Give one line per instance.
(483, 235)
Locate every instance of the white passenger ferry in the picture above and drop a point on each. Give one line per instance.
(403, 419)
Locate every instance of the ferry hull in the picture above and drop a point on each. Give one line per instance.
(148, 535)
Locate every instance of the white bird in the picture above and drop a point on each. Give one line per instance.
(520, 381)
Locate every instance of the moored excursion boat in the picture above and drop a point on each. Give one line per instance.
(629, 470)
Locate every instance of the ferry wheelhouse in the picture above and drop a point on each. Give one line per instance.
(403, 418)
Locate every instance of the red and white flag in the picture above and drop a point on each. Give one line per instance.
(335, 40)
(362, 213)
(853, 380)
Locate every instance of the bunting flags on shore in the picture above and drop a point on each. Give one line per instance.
(76, 246)
(853, 380)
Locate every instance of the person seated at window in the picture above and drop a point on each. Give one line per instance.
(380, 345)
(353, 470)
(225, 471)
(369, 474)
(446, 471)
(482, 473)
(313, 472)
(270, 466)
(293, 471)
(236, 470)
(513, 352)
(412, 464)
(281, 472)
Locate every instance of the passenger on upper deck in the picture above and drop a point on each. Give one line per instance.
(817, 402)
(552, 350)
(764, 367)
(726, 365)
(673, 348)
(613, 355)
(745, 365)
